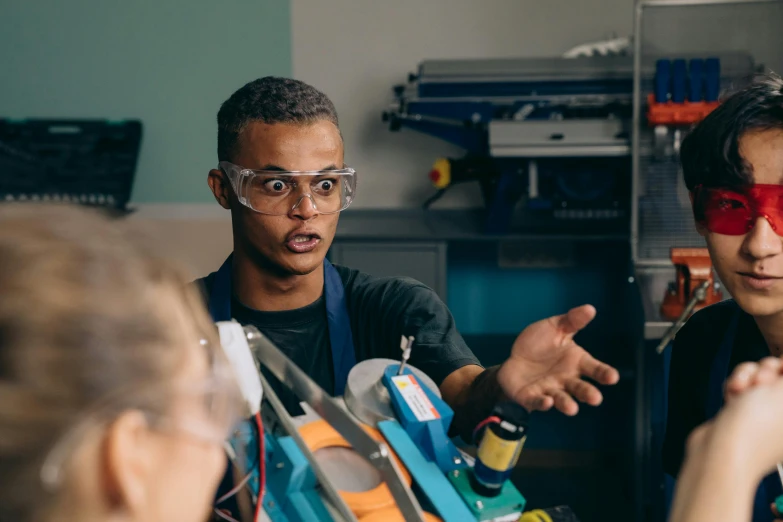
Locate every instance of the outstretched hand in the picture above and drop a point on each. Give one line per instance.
(546, 366)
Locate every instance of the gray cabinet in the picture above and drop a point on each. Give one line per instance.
(423, 261)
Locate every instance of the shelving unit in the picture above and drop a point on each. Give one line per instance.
(638, 102)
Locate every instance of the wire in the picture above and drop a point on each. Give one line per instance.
(494, 419)
(219, 512)
(261, 465)
(432, 199)
(235, 489)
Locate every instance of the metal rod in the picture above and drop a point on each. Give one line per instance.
(683, 3)
(636, 129)
(698, 296)
(654, 263)
(288, 424)
(407, 344)
(329, 409)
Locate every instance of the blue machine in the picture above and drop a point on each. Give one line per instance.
(548, 139)
(424, 416)
(415, 423)
(292, 493)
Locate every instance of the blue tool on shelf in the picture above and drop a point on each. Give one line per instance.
(696, 80)
(711, 79)
(679, 80)
(662, 80)
(424, 416)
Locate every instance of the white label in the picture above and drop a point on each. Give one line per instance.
(511, 517)
(415, 397)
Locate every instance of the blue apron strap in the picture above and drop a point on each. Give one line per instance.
(338, 320)
(339, 324)
(220, 292)
(718, 375)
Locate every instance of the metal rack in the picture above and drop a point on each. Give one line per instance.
(636, 138)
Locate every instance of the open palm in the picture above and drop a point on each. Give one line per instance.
(546, 366)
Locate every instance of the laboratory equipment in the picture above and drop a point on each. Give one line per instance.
(395, 426)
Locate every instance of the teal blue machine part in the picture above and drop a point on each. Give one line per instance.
(291, 494)
(421, 441)
(428, 476)
(424, 416)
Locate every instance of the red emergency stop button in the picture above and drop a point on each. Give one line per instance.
(440, 175)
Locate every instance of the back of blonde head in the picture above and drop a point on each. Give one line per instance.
(81, 318)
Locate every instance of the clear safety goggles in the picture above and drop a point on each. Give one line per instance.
(277, 192)
(205, 412)
(734, 212)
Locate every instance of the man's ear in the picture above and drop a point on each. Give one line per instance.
(128, 462)
(220, 187)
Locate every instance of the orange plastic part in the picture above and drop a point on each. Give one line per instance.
(320, 434)
(693, 268)
(670, 113)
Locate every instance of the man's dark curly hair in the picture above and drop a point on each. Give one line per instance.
(270, 100)
(710, 154)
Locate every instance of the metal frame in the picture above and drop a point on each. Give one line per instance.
(639, 7)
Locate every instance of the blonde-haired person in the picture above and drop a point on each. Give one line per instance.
(115, 397)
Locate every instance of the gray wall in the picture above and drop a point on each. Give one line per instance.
(168, 62)
(355, 51)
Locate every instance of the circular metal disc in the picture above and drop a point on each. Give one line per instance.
(367, 397)
(347, 470)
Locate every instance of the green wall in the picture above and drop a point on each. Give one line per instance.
(169, 63)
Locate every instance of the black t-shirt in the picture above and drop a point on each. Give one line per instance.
(381, 311)
(693, 353)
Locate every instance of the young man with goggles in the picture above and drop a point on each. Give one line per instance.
(733, 168)
(282, 175)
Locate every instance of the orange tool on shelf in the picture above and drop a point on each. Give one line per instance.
(694, 271)
(694, 289)
(671, 113)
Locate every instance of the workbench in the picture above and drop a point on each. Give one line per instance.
(415, 243)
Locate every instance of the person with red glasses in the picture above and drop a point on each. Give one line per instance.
(732, 162)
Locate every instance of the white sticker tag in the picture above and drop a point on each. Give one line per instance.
(415, 397)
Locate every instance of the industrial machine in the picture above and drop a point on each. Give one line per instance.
(549, 139)
(381, 452)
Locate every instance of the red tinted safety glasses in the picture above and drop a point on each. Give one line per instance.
(735, 212)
